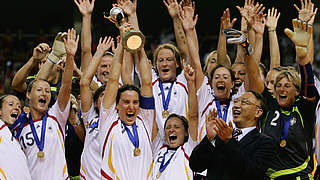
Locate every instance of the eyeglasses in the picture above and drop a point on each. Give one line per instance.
(244, 102)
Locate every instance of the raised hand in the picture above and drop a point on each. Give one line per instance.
(189, 73)
(128, 7)
(225, 22)
(71, 42)
(40, 52)
(186, 16)
(211, 128)
(104, 44)
(247, 13)
(272, 19)
(307, 12)
(259, 22)
(85, 6)
(173, 7)
(300, 36)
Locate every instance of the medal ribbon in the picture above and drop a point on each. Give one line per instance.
(285, 126)
(22, 119)
(165, 101)
(225, 113)
(164, 164)
(133, 138)
(40, 144)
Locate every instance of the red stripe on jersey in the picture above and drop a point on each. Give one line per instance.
(205, 109)
(185, 88)
(163, 146)
(2, 127)
(105, 141)
(105, 175)
(55, 119)
(145, 129)
(82, 176)
(67, 177)
(155, 81)
(185, 154)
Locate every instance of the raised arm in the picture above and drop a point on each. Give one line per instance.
(71, 45)
(85, 7)
(130, 9)
(258, 27)
(86, 78)
(192, 102)
(301, 37)
(225, 23)
(271, 23)
(255, 83)
(189, 23)
(173, 9)
(145, 74)
(58, 51)
(307, 14)
(19, 81)
(113, 82)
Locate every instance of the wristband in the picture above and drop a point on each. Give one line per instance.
(246, 45)
(50, 61)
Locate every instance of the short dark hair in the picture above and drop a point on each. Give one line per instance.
(2, 99)
(127, 87)
(262, 101)
(184, 122)
(220, 66)
(75, 87)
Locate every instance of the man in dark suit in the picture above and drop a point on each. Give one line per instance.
(226, 156)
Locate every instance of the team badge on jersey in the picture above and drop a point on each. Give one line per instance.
(293, 121)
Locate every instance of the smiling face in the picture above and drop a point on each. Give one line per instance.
(285, 92)
(39, 96)
(128, 106)
(10, 109)
(175, 132)
(222, 83)
(239, 71)
(104, 68)
(246, 110)
(167, 65)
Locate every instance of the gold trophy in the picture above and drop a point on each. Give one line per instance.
(133, 40)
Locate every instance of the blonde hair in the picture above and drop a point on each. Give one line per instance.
(207, 60)
(176, 53)
(292, 75)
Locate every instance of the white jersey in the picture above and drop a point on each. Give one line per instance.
(53, 165)
(118, 160)
(206, 102)
(178, 167)
(13, 163)
(91, 154)
(178, 101)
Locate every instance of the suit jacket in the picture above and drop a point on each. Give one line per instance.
(247, 159)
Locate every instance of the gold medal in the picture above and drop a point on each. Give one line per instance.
(283, 143)
(87, 125)
(158, 175)
(165, 113)
(40, 154)
(136, 152)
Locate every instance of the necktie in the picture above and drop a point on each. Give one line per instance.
(236, 133)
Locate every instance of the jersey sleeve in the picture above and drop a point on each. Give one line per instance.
(147, 112)
(204, 95)
(86, 116)
(62, 117)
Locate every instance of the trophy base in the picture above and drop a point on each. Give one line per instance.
(133, 40)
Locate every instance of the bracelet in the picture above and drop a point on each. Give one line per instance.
(50, 61)
(271, 30)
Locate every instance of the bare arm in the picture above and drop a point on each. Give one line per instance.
(71, 44)
(85, 7)
(192, 102)
(271, 23)
(145, 74)
(19, 81)
(127, 68)
(258, 27)
(74, 119)
(225, 23)
(173, 9)
(86, 78)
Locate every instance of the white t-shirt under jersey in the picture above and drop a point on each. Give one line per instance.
(91, 154)
(13, 163)
(118, 160)
(53, 166)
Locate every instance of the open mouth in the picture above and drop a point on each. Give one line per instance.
(236, 113)
(237, 83)
(172, 137)
(14, 115)
(130, 115)
(42, 101)
(221, 87)
(165, 70)
(282, 97)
